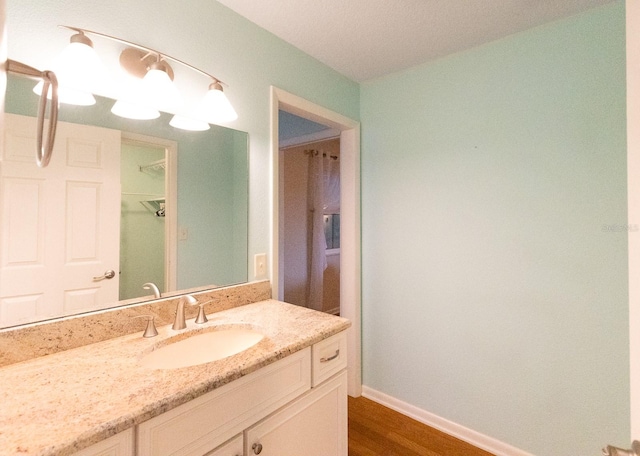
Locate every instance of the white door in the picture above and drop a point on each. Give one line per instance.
(59, 224)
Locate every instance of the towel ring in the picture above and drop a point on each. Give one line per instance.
(43, 154)
(44, 149)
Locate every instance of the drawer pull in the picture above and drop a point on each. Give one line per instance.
(257, 448)
(330, 358)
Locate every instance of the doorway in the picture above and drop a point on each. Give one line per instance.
(350, 280)
(311, 223)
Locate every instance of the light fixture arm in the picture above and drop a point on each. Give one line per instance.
(148, 50)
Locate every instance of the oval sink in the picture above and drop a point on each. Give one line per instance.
(202, 348)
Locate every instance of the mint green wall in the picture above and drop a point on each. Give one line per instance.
(206, 168)
(209, 36)
(240, 196)
(494, 247)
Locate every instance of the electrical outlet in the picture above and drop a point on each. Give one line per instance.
(260, 265)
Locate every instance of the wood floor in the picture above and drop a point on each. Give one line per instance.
(375, 430)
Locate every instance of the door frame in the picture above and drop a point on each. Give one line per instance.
(350, 256)
(633, 189)
(171, 201)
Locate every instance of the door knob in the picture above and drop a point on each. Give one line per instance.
(257, 448)
(109, 274)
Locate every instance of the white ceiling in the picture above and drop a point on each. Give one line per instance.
(365, 39)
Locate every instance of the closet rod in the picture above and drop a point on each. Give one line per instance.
(142, 194)
(316, 152)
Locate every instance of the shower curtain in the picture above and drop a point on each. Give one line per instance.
(316, 241)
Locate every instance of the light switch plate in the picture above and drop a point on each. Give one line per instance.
(260, 265)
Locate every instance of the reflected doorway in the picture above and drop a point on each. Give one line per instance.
(142, 217)
(147, 216)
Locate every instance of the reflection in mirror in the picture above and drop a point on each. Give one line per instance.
(144, 227)
(140, 198)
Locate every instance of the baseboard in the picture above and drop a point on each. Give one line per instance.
(442, 424)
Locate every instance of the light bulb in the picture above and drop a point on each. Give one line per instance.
(131, 104)
(159, 91)
(215, 106)
(79, 71)
(187, 123)
(128, 110)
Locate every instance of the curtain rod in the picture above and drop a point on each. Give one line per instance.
(316, 152)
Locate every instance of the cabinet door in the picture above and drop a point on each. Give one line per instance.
(232, 448)
(197, 426)
(119, 445)
(314, 425)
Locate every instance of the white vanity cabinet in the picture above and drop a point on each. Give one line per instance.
(274, 408)
(234, 447)
(314, 425)
(118, 445)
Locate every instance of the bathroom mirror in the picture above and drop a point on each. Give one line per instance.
(207, 247)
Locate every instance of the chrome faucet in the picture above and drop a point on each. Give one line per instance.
(179, 322)
(152, 286)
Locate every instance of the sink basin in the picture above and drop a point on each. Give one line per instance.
(202, 348)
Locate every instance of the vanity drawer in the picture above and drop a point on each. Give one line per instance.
(204, 423)
(328, 357)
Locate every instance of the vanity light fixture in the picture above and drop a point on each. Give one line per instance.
(149, 82)
(79, 71)
(149, 88)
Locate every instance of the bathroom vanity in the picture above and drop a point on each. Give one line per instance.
(284, 395)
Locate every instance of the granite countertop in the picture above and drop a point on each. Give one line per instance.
(67, 401)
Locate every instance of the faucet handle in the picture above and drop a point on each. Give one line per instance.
(201, 318)
(150, 330)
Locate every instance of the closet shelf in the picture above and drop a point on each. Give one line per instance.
(154, 168)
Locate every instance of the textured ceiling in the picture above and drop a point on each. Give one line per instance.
(365, 39)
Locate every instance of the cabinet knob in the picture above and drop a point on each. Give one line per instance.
(257, 448)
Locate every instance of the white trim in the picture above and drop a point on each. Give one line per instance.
(350, 253)
(633, 189)
(456, 430)
(171, 202)
(350, 267)
(310, 138)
